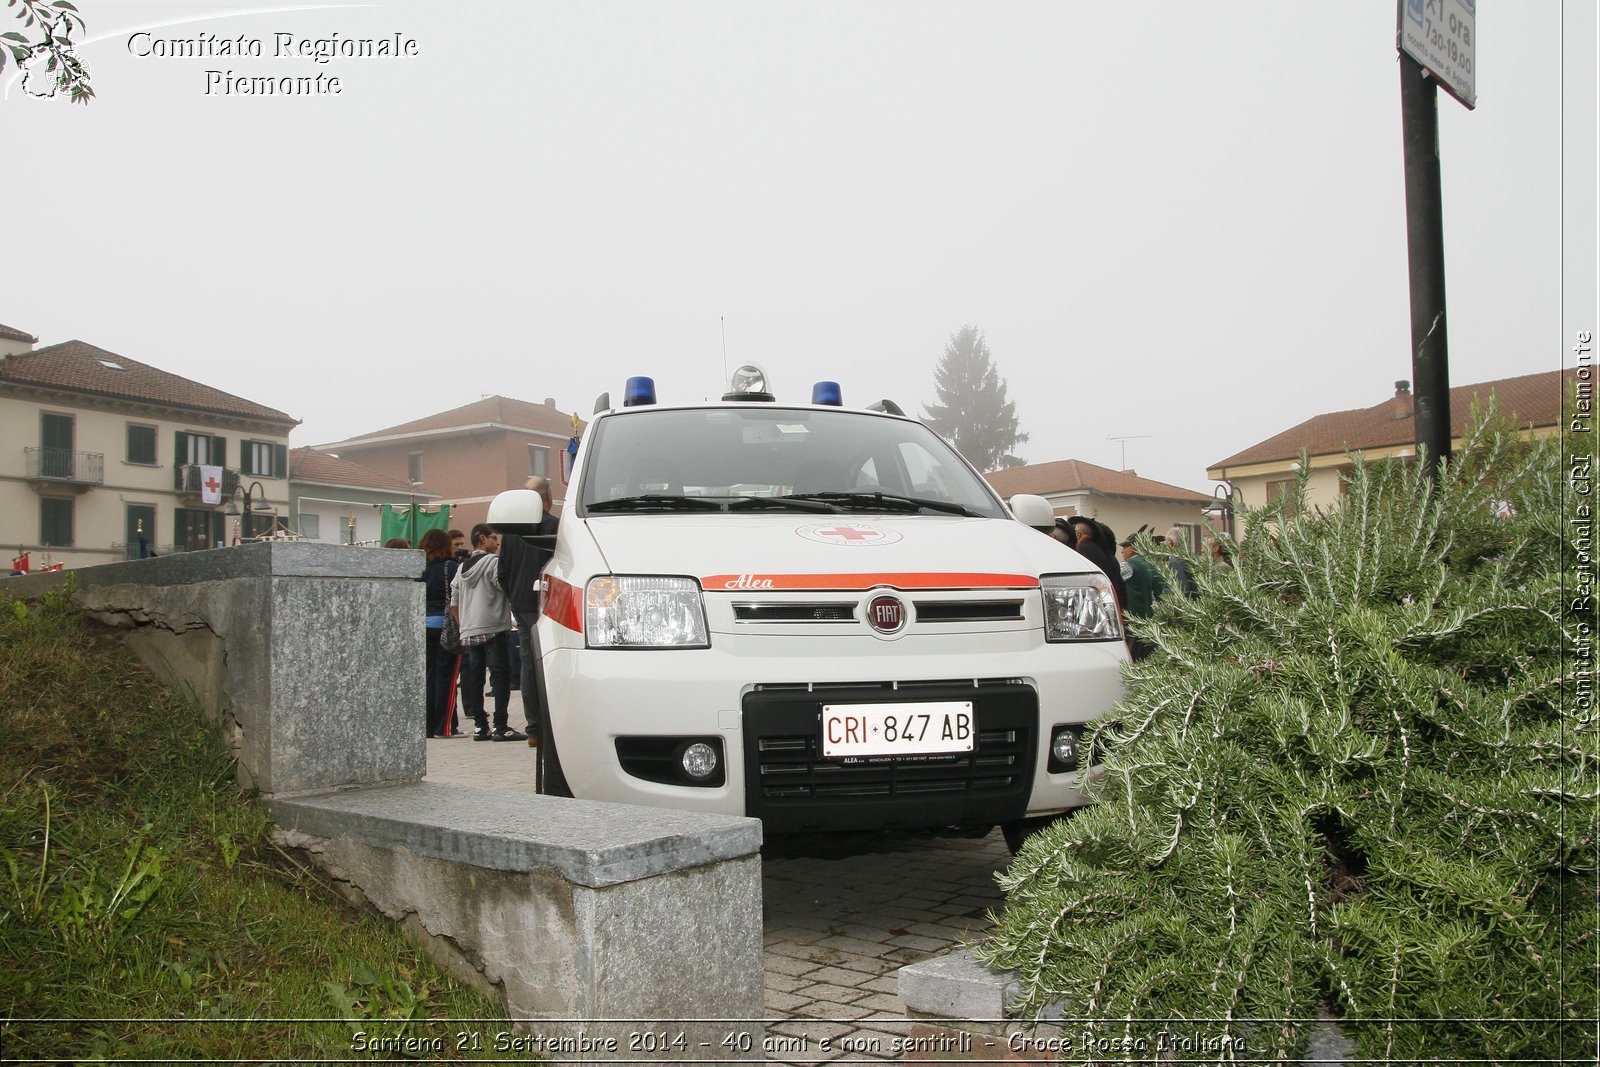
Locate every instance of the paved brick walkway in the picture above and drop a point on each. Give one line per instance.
(842, 914)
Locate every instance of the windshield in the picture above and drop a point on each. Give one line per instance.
(785, 457)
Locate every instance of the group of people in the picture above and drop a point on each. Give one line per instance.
(487, 591)
(1138, 582)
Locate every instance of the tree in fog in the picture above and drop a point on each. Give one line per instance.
(972, 412)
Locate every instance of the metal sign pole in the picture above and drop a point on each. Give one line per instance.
(1419, 119)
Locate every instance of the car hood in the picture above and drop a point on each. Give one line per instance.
(788, 551)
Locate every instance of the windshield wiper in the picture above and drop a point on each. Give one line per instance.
(887, 502)
(792, 503)
(655, 502)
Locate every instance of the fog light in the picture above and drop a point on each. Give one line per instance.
(1064, 747)
(699, 761)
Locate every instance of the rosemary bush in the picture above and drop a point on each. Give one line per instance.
(1349, 785)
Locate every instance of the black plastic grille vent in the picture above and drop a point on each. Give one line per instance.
(790, 786)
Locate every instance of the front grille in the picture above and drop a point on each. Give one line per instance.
(968, 610)
(790, 787)
(782, 612)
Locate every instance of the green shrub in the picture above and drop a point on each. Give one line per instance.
(1353, 783)
(145, 913)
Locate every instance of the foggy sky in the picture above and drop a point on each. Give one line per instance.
(1178, 222)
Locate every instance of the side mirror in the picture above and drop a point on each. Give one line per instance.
(1033, 511)
(516, 512)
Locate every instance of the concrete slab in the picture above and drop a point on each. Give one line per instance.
(588, 843)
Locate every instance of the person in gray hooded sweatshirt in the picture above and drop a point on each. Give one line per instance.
(484, 615)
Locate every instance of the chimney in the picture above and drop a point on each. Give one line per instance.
(1403, 404)
(549, 401)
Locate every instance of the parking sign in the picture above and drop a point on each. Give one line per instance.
(1442, 36)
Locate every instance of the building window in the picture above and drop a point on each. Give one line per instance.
(201, 449)
(538, 461)
(57, 435)
(263, 459)
(55, 522)
(195, 529)
(414, 468)
(1282, 490)
(141, 444)
(310, 526)
(141, 527)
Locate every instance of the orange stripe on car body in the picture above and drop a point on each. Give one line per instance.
(902, 580)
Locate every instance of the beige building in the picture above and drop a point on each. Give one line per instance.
(103, 458)
(1120, 499)
(1266, 471)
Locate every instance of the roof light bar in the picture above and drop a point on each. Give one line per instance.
(639, 391)
(748, 382)
(827, 393)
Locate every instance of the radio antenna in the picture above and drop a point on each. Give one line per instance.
(1125, 438)
(724, 320)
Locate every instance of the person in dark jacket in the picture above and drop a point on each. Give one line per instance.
(521, 565)
(440, 666)
(1087, 543)
(1145, 586)
(1176, 542)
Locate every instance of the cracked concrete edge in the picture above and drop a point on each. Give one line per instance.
(460, 961)
(263, 560)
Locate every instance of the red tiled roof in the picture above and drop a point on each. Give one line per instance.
(1069, 475)
(84, 368)
(501, 410)
(11, 333)
(1531, 399)
(310, 466)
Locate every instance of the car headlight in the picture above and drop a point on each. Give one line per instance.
(1080, 607)
(639, 611)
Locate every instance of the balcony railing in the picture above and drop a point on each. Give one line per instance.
(186, 479)
(66, 466)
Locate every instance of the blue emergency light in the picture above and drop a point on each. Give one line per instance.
(639, 390)
(827, 393)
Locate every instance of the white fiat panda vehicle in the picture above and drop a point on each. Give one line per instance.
(817, 616)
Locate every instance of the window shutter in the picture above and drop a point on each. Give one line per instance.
(280, 461)
(247, 457)
(180, 449)
(219, 451)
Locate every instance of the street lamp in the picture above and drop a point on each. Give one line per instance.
(253, 501)
(1225, 500)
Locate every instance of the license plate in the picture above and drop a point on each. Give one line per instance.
(916, 729)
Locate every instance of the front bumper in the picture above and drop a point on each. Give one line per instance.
(759, 697)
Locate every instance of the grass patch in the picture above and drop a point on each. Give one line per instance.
(145, 913)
